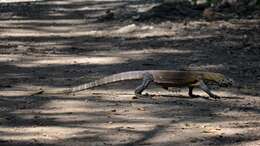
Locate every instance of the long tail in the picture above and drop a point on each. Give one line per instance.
(131, 75)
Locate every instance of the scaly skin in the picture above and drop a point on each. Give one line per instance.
(164, 78)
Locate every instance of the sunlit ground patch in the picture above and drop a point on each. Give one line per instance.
(30, 61)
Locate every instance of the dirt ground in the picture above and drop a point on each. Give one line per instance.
(57, 44)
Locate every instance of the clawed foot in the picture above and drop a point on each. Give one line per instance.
(215, 97)
(194, 96)
(140, 95)
(198, 96)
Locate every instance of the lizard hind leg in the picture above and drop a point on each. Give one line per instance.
(147, 79)
(191, 94)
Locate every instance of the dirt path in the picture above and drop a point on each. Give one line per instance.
(56, 44)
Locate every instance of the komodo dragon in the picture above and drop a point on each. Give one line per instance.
(164, 78)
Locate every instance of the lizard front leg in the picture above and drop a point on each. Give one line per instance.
(147, 79)
(203, 87)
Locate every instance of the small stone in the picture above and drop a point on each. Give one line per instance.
(140, 109)
(114, 110)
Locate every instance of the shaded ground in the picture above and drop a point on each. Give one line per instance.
(56, 44)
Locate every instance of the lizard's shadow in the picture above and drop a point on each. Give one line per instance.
(153, 96)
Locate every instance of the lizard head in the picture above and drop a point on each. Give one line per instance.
(219, 80)
(225, 82)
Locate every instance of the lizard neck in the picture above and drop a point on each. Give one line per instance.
(210, 76)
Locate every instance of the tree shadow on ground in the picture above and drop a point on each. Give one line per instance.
(185, 11)
(35, 112)
(195, 46)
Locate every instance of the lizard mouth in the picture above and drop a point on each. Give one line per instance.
(214, 85)
(226, 85)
